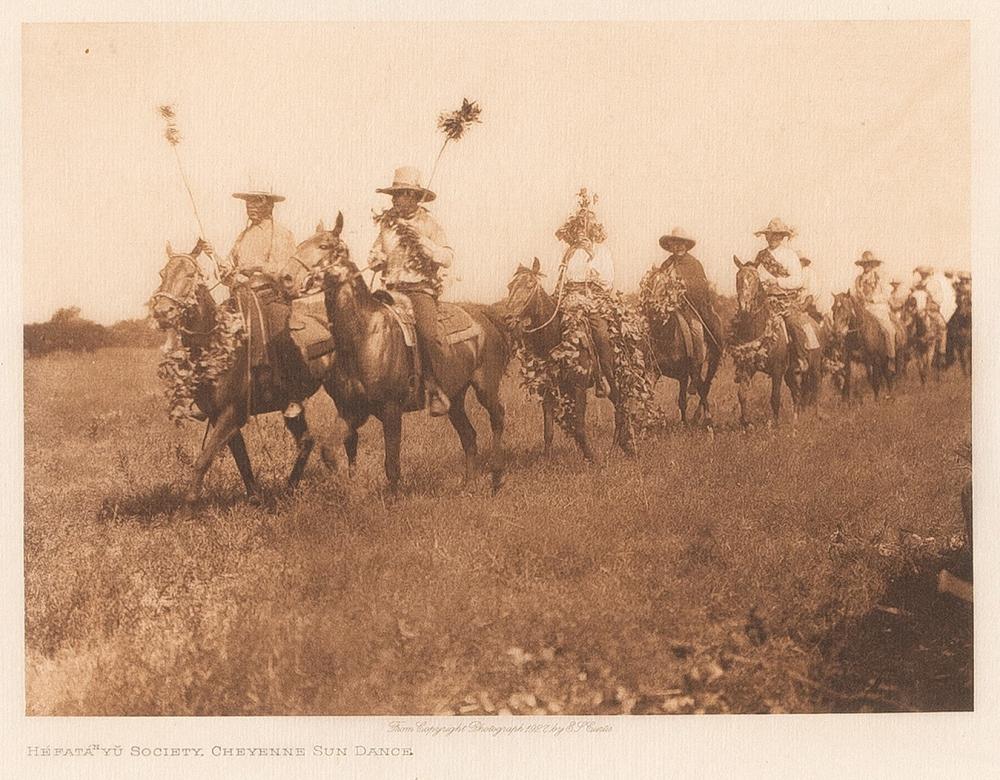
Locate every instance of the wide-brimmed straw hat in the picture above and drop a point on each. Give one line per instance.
(895, 281)
(407, 178)
(775, 226)
(677, 234)
(923, 270)
(867, 258)
(965, 276)
(254, 194)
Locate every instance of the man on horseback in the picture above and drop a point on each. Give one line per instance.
(870, 292)
(679, 244)
(261, 261)
(781, 275)
(589, 272)
(410, 253)
(931, 302)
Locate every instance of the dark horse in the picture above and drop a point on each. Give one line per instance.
(860, 340)
(374, 367)
(677, 340)
(960, 334)
(760, 343)
(183, 306)
(538, 320)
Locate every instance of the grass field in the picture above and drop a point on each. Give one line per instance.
(745, 573)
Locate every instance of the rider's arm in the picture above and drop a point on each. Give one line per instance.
(435, 244)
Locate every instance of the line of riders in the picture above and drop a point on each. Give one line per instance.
(412, 255)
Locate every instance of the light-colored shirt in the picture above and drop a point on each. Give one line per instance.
(394, 260)
(784, 257)
(265, 247)
(933, 288)
(596, 265)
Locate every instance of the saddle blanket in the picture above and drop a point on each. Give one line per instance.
(455, 324)
(310, 332)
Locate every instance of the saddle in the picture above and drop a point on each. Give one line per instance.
(455, 326)
(310, 331)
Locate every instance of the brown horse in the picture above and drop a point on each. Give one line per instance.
(760, 343)
(677, 341)
(183, 306)
(537, 320)
(374, 368)
(960, 334)
(860, 339)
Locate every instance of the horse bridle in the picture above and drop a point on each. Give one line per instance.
(192, 282)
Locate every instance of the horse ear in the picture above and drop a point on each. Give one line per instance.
(339, 225)
(535, 266)
(170, 251)
(736, 260)
(320, 227)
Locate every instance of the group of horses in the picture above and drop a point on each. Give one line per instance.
(373, 371)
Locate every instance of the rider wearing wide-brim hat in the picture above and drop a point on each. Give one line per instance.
(678, 243)
(412, 253)
(869, 290)
(261, 259)
(781, 275)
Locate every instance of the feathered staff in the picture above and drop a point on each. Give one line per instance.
(173, 136)
(453, 124)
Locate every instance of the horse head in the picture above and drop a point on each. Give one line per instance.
(842, 313)
(180, 280)
(749, 290)
(524, 293)
(324, 252)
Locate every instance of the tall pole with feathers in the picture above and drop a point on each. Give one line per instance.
(173, 135)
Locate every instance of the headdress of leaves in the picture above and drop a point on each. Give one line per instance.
(583, 222)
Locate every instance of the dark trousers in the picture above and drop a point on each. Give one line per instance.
(432, 350)
(602, 343)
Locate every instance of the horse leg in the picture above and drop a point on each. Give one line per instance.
(223, 429)
(776, 396)
(845, 391)
(489, 399)
(392, 435)
(238, 447)
(298, 428)
(548, 418)
(682, 398)
(351, 441)
(743, 393)
(580, 423)
(466, 433)
(623, 432)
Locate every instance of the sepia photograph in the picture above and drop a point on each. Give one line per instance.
(497, 369)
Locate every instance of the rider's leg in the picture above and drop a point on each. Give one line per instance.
(432, 351)
(605, 353)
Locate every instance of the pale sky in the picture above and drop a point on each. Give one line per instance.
(857, 134)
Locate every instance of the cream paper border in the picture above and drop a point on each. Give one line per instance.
(655, 746)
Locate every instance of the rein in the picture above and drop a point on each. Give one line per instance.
(559, 300)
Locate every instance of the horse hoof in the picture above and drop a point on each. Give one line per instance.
(328, 458)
